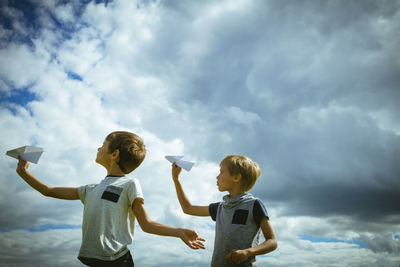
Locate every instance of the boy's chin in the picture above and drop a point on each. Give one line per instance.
(99, 162)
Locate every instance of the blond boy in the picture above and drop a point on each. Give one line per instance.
(111, 206)
(239, 217)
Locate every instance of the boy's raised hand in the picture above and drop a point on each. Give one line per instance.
(22, 165)
(176, 170)
(191, 239)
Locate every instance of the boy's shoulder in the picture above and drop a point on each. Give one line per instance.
(127, 181)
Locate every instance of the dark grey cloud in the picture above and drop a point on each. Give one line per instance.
(355, 166)
(283, 57)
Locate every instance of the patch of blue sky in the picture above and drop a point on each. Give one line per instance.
(48, 227)
(17, 97)
(74, 76)
(29, 19)
(20, 96)
(397, 236)
(316, 239)
(45, 227)
(33, 23)
(29, 10)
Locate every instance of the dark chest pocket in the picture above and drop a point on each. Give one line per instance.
(240, 217)
(112, 193)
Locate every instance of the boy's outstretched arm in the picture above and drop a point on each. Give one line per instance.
(189, 237)
(270, 244)
(187, 207)
(68, 193)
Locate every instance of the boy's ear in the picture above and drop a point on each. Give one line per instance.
(237, 177)
(115, 154)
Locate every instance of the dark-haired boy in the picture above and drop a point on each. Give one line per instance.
(110, 207)
(239, 217)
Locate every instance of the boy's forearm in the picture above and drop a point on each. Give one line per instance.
(156, 228)
(183, 199)
(34, 182)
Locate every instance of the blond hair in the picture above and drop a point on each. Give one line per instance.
(239, 164)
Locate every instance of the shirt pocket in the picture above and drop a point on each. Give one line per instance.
(112, 193)
(240, 216)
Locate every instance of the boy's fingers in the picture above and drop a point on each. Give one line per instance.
(199, 245)
(22, 163)
(229, 257)
(175, 165)
(193, 245)
(193, 241)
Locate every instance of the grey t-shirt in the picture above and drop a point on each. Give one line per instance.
(108, 218)
(237, 227)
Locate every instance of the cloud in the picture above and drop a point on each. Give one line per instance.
(24, 248)
(309, 90)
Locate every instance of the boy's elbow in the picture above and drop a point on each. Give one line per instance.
(274, 244)
(146, 227)
(146, 230)
(186, 211)
(47, 191)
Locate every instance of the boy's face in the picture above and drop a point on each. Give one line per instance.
(103, 157)
(225, 180)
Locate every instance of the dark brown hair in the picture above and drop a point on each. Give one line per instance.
(132, 150)
(249, 170)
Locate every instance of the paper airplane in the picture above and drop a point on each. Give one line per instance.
(28, 153)
(184, 164)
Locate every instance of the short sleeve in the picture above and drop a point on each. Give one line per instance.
(259, 211)
(213, 208)
(135, 191)
(82, 190)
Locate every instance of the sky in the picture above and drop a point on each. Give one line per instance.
(310, 90)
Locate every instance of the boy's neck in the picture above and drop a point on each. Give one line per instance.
(115, 170)
(236, 192)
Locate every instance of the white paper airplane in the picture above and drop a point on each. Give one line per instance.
(28, 153)
(184, 164)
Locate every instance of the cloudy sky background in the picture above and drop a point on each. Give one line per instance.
(308, 89)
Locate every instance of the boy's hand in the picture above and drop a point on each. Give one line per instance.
(22, 165)
(191, 239)
(176, 170)
(237, 256)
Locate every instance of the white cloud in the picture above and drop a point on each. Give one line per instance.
(20, 65)
(64, 13)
